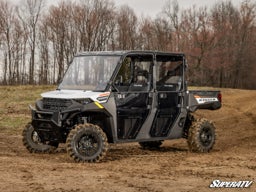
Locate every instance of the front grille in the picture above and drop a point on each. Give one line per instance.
(56, 104)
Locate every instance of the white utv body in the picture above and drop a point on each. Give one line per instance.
(118, 97)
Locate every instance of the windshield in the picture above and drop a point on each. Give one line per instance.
(89, 73)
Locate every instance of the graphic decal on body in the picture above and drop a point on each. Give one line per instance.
(202, 100)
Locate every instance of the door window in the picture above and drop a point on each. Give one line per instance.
(135, 73)
(169, 72)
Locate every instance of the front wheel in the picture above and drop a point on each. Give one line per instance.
(33, 143)
(201, 136)
(87, 143)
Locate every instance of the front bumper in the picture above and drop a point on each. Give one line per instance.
(54, 125)
(49, 125)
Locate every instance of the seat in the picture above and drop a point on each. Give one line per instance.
(135, 102)
(141, 82)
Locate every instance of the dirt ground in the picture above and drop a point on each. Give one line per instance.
(129, 168)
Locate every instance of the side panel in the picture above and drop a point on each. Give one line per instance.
(133, 114)
(167, 113)
(110, 106)
(174, 125)
(145, 129)
(210, 100)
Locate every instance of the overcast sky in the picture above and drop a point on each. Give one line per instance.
(153, 7)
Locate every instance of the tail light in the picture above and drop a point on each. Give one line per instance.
(220, 97)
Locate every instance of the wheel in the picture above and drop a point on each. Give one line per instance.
(151, 144)
(32, 141)
(201, 136)
(87, 143)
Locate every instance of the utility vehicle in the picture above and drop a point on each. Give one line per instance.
(118, 97)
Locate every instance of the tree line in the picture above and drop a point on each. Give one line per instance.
(37, 42)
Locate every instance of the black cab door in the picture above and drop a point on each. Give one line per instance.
(133, 96)
(169, 81)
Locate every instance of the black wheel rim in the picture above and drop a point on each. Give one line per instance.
(88, 144)
(206, 136)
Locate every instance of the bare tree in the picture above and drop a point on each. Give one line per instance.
(127, 26)
(59, 23)
(171, 11)
(29, 13)
(242, 63)
(44, 53)
(6, 25)
(146, 34)
(225, 22)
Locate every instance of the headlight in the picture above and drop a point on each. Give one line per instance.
(83, 101)
(103, 97)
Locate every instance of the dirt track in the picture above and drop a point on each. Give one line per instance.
(129, 168)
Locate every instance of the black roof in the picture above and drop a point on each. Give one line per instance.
(120, 53)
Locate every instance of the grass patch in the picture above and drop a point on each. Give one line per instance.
(14, 106)
(12, 124)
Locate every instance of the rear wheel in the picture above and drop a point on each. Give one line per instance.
(201, 136)
(33, 143)
(87, 143)
(151, 144)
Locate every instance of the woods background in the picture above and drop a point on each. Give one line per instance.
(37, 42)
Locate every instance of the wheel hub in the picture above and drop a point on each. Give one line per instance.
(88, 145)
(206, 136)
(35, 137)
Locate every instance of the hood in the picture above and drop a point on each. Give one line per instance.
(75, 94)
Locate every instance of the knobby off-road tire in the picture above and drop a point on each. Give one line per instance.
(201, 136)
(151, 144)
(33, 143)
(87, 143)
